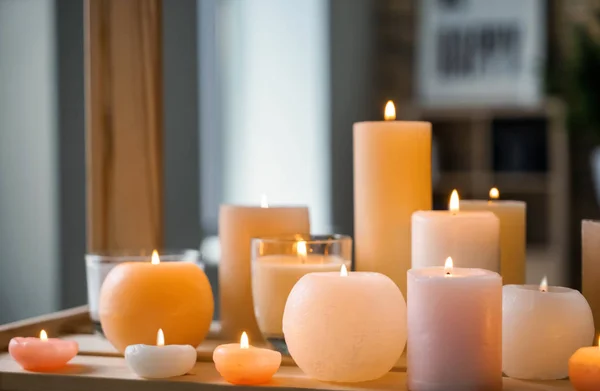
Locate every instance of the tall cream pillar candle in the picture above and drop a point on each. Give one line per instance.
(392, 179)
(237, 225)
(512, 234)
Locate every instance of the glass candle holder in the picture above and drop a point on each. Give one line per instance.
(279, 262)
(98, 265)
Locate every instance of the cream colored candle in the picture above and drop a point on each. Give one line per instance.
(512, 234)
(237, 226)
(392, 179)
(454, 329)
(472, 238)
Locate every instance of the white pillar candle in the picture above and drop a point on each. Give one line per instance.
(512, 233)
(472, 239)
(160, 361)
(541, 328)
(392, 179)
(345, 327)
(454, 329)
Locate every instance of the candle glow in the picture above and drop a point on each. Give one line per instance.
(454, 205)
(494, 193)
(160, 338)
(155, 258)
(244, 343)
(43, 335)
(343, 271)
(544, 285)
(390, 111)
(448, 266)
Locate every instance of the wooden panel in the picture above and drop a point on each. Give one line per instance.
(124, 124)
(590, 259)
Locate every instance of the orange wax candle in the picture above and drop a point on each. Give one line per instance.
(42, 354)
(138, 298)
(584, 369)
(244, 364)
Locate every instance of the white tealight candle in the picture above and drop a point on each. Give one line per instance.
(160, 361)
(454, 329)
(541, 328)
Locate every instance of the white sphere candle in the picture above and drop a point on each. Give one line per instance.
(345, 327)
(454, 329)
(542, 327)
(160, 361)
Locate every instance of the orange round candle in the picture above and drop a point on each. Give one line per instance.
(584, 369)
(244, 364)
(138, 298)
(42, 354)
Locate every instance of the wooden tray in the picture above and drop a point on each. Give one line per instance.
(100, 367)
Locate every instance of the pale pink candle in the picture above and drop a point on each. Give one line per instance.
(42, 354)
(454, 329)
(244, 364)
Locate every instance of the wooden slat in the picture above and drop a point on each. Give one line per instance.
(590, 259)
(106, 373)
(124, 124)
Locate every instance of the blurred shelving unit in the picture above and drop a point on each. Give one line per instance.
(523, 152)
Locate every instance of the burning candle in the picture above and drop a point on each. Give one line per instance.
(160, 361)
(42, 354)
(584, 368)
(244, 364)
(542, 327)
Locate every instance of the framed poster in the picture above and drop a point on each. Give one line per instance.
(480, 52)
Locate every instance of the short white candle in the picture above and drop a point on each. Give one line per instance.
(472, 239)
(454, 329)
(160, 361)
(542, 327)
(345, 327)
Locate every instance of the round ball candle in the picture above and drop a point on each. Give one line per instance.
(512, 233)
(138, 298)
(542, 327)
(345, 327)
(244, 364)
(472, 238)
(160, 361)
(454, 329)
(42, 354)
(584, 369)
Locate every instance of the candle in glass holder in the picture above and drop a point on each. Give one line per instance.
(42, 354)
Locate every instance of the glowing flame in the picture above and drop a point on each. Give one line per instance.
(301, 248)
(494, 193)
(448, 266)
(454, 205)
(343, 271)
(390, 111)
(43, 335)
(160, 338)
(544, 285)
(244, 343)
(263, 201)
(155, 258)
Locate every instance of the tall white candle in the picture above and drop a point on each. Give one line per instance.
(470, 238)
(454, 329)
(392, 179)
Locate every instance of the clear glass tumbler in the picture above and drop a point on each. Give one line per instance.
(279, 262)
(98, 265)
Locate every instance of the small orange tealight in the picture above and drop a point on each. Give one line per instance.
(42, 354)
(584, 369)
(244, 364)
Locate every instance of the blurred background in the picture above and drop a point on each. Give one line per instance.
(260, 97)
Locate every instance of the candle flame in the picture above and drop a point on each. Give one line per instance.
(160, 338)
(244, 343)
(454, 205)
(43, 335)
(263, 201)
(494, 193)
(343, 271)
(301, 248)
(155, 258)
(544, 285)
(448, 266)
(390, 111)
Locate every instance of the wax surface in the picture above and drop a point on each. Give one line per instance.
(138, 298)
(345, 329)
(36, 355)
(250, 366)
(454, 330)
(392, 179)
(237, 226)
(471, 238)
(541, 330)
(584, 369)
(157, 362)
(512, 216)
